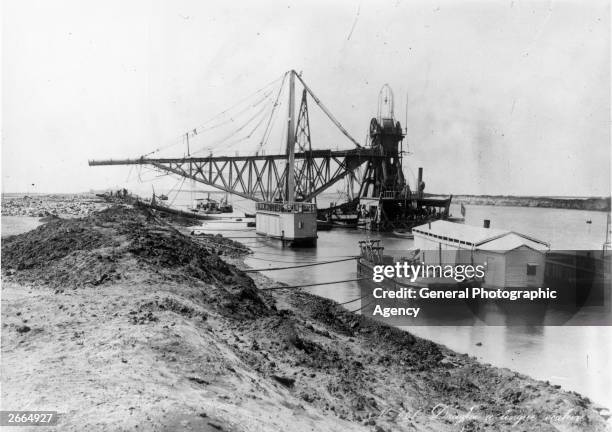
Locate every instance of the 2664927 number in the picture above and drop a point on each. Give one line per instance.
(28, 418)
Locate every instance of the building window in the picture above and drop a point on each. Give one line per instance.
(532, 269)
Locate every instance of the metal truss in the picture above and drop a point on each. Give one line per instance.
(261, 178)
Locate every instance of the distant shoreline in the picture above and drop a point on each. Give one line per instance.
(569, 203)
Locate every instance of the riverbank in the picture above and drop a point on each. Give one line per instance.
(120, 319)
(569, 203)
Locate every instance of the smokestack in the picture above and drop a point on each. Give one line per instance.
(419, 181)
(487, 223)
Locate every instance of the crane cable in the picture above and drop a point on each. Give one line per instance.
(270, 124)
(177, 192)
(271, 83)
(233, 119)
(233, 133)
(250, 134)
(328, 113)
(179, 140)
(310, 285)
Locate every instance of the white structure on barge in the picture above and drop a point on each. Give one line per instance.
(291, 222)
(295, 223)
(512, 259)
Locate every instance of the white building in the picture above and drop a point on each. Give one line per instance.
(292, 222)
(512, 259)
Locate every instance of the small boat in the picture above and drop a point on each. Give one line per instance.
(164, 209)
(323, 225)
(249, 215)
(160, 197)
(250, 224)
(225, 207)
(403, 234)
(589, 221)
(206, 206)
(344, 220)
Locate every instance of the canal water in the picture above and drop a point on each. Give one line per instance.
(578, 358)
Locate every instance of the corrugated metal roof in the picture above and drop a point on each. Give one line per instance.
(479, 236)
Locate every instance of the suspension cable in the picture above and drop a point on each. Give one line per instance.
(243, 100)
(268, 128)
(310, 285)
(234, 132)
(179, 140)
(300, 265)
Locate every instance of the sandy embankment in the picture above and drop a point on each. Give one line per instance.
(121, 322)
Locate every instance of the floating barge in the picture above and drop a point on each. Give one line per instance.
(294, 223)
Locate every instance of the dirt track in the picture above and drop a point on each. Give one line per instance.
(119, 320)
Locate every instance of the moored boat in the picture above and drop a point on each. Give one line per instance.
(206, 206)
(406, 234)
(323, 225)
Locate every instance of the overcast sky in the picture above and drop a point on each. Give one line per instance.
(504, 97)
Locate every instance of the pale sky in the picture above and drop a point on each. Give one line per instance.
(504, 97)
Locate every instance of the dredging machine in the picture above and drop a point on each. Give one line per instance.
(385, 201)
(285, 186)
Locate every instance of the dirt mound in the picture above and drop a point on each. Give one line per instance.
(116, 243)
(51, 242)
(64, 252)
(400, 346)
(225, 246)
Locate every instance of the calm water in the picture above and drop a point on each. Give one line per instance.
(12, 225)
(577, 358)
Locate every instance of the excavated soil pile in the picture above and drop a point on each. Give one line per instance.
(64, 252)
(421, 355)
(111, 245)
(227, 246)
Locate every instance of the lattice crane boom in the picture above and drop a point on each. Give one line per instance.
(265, 177)
(261, 177)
